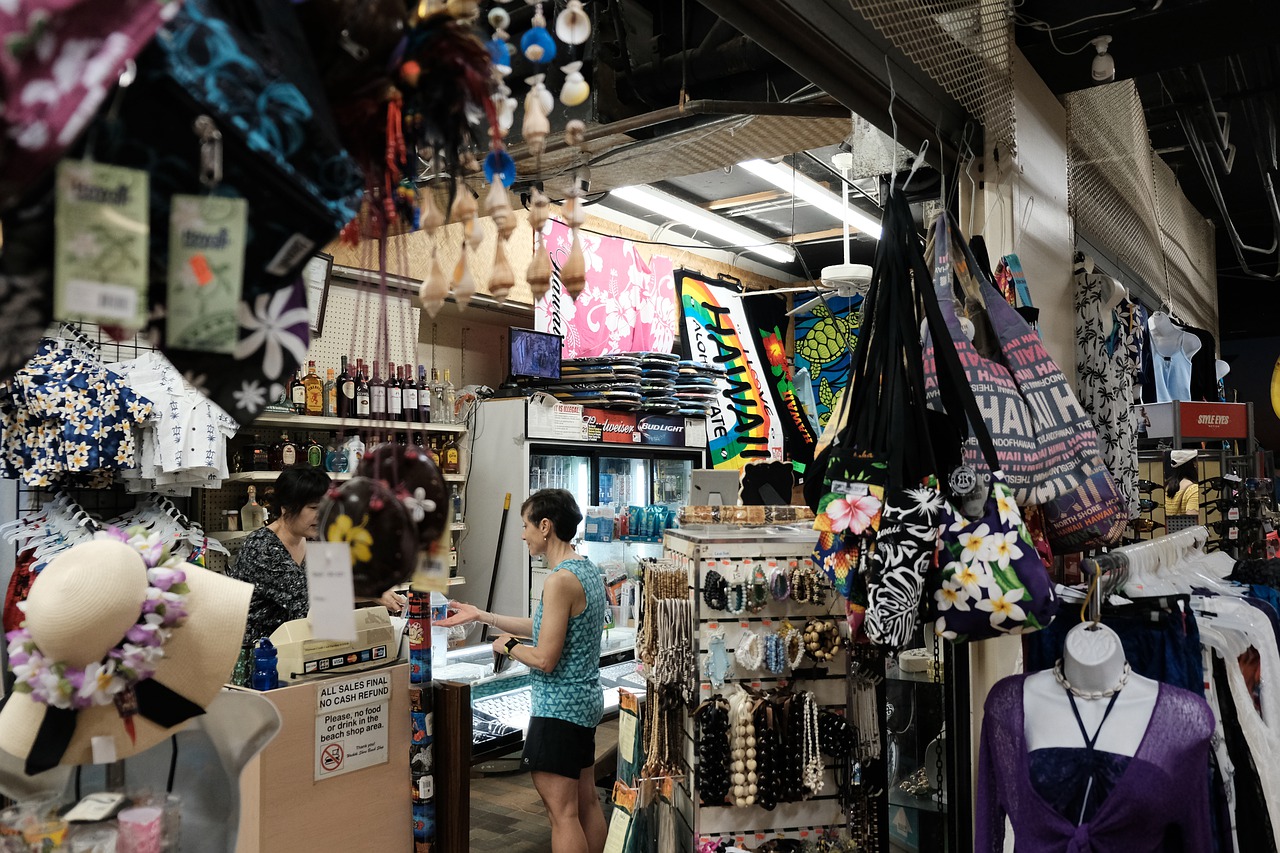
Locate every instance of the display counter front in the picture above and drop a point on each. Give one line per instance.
(336, 778)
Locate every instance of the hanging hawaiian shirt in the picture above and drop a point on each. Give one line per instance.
(64, 414)
(1107, 360)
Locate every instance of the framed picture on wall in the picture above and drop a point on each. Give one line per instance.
(316, 276)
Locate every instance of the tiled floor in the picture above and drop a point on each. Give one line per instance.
(506, 813)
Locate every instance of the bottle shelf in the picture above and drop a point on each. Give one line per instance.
(270, 477)
(313, 422)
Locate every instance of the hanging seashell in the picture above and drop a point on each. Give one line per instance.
(572, 25)
(464, 203)
(464, 285)
(575, 89)
(505, 105)
(503, 277)
(474, 232)
(535, 128)
(498, 205)
(539, 210)
(538, 89)
(499, 18)
(575, 132)
(431, 216)
(539, 274)
(573, 275)
(575, 214)
(435, 287)
(537, 45)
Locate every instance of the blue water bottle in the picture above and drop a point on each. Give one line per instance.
(265, 676)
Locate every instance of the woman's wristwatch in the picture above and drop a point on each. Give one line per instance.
(512, 642)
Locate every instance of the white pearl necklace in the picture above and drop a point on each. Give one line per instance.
(812, 778)
(750, 651)
(1090, 694)
(742, 769)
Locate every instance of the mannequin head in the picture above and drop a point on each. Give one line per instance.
(1092, 657)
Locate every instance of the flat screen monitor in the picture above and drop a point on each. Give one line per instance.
(535, 355)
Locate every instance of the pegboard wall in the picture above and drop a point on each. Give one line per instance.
(350, 328)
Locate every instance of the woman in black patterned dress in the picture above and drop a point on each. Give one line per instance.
(273, 558)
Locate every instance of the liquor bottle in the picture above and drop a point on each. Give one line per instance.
(424, 396)
(346, 392)
(437, 404)
(456, 503)
(377, 395)
(450, 398)
(451, 456)
(298, 394)
(362, 393)
(408, 395)
(252, 515)
(335, 458)
(312, 391)
(395, 397)
(315, 453)
(330, 394)
(285, 452)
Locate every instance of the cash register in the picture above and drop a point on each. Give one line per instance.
(302, 657)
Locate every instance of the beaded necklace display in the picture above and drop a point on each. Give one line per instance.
(674, 664)
(743, 749)
(812, 756)
(767, 754)
(749, 652)
(713, 751)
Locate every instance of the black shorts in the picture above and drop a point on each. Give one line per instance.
(558, 746)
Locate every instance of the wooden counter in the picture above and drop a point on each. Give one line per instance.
(285, 810)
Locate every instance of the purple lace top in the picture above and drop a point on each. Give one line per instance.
(1160, 802)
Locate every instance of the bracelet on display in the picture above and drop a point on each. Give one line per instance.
(793, 645)
(758, 593)
(749, 652)
(821, 639)
(775, 657)
(780, 583)
(715, 592)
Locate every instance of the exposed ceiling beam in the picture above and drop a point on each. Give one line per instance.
(839, 51)
(744, 200)
(814, 236)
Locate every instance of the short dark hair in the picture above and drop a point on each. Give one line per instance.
(556, 505)
(296, 487)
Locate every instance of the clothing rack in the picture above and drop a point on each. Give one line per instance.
(1152, 554)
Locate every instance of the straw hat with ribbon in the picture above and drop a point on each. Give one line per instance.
(121, 643)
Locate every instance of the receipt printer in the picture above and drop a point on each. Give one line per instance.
(302, 657)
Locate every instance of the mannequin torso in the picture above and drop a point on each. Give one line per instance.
(1093, 661)
(1167, 338)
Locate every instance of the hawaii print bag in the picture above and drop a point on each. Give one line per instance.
(1046, 443)
(992, 581)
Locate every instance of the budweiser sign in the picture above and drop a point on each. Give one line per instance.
(611, 427)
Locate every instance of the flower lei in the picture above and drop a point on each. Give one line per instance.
(134, 659)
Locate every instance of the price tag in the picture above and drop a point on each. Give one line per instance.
(768, 623)
(619, 826)
(745, 624)
(101, 250)
(330, 591)
(206, 271)
(626, 735)
(713, 626)
(1233, 514)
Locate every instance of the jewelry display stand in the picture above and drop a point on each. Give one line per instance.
(725, 549)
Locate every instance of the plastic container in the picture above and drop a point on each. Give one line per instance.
(265, 660)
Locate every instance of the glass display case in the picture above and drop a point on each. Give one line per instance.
(926, 765)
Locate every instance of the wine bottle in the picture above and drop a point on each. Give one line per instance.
(408, 395)
(424, 396)
(395, 397)
(346, 391)
(362, 392)
(298, 394)
(377, 395)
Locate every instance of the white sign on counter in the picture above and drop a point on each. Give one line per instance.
(351, 724)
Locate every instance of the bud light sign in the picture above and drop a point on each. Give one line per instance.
(663, 430)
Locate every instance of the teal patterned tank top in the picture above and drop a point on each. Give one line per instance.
(571, 691)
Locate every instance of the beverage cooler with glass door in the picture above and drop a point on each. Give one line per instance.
(627, 471)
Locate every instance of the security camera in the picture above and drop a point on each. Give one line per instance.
(1104, 66)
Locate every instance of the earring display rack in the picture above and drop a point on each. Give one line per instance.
(774, 549)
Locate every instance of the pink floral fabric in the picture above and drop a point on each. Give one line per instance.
(628, 304)
(58, 61)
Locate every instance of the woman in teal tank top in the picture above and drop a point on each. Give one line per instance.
(564, 663)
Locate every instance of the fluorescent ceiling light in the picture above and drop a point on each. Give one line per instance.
(683, 213)
(789, 180)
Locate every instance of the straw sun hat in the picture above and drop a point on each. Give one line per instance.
(81, 606)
